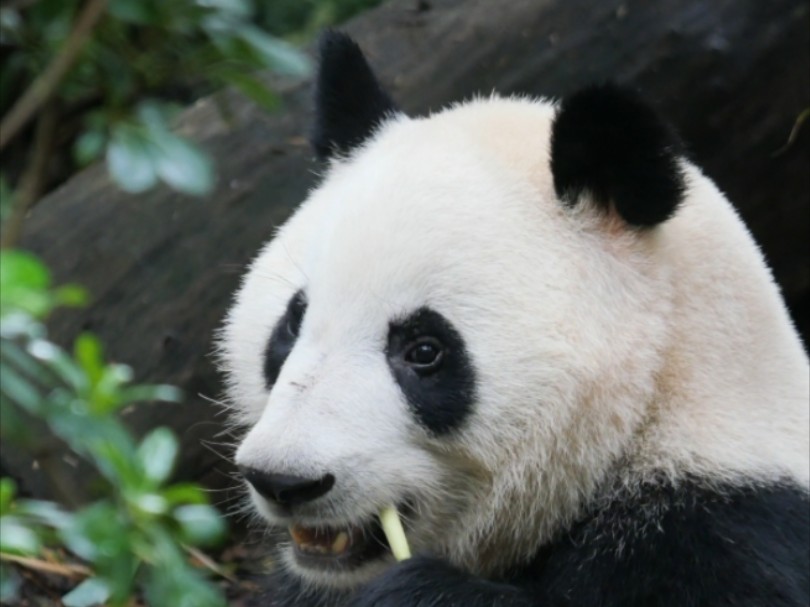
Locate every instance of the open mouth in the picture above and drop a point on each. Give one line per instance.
(338, 547)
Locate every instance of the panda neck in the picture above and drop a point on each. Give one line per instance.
(732, 398)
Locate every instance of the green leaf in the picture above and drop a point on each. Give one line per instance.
(200, 524)
(152, 504)
(184, 493)
(130, 160)
(60, 363)
(7, 490)
(154, 115)
(105, 440)
(182, 165)
(24, 283)
(17, 538)
(17, 324)
(88, 147)
(106, 396)
(47, 513)
(22, 269)
(99, 521)
(254, 89)
(133, 11)
(157, 454)
(10, 26)
(12, 353)
(105, 535)
(235, 8)
(19, 390)
(88, 353)
(172, 581)
(92, 591)
(71, 295)
(276, 53)
(181, 586)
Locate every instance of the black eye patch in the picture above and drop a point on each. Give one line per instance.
(429, 361)
(283, 338)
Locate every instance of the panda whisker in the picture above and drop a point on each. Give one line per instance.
(222, 406)
(278, 279)
(225, 455)
(293, 261)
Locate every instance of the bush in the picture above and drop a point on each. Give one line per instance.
(134, 537)
(103, 74)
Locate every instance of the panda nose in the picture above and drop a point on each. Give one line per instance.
(287, 490)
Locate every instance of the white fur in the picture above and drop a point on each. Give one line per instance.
(601, 352)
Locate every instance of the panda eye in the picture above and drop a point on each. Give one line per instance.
(425, 354)
(295, 314)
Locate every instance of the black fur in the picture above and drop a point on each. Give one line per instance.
(659, 546)
(428, 582)
(442, 399)
(349, 102)
(607, 141)
(681, 547)
(283, 338)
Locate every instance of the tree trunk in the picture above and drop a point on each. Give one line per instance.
(732, 75)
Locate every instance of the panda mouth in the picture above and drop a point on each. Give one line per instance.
(338, 547)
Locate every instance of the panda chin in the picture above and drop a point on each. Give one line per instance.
(338, 549)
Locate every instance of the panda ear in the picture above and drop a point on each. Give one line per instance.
(349, 102)
(607, 141)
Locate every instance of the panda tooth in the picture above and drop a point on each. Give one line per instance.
(340, 543)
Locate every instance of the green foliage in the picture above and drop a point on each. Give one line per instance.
(133, 536)
(141, 49)
(25, 287)
(144, 149)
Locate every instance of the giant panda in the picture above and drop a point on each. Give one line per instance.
(544, 335)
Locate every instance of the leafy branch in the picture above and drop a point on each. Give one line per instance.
(138, 533)
(46, 85)
(109, 77)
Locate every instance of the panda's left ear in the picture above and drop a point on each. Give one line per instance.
(608, 142)
(349, 101)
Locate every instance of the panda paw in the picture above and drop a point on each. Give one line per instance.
(429, 582)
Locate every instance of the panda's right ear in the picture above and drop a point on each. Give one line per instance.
(349, 101)
(607, 141)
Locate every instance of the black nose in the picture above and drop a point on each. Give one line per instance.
(286, 490)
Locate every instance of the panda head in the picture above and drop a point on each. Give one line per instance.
(464, 319)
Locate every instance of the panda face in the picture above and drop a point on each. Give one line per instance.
(429, 331)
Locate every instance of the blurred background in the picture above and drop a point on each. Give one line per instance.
(149, 148)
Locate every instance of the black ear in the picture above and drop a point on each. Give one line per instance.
(349, 102)
(606, 140)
